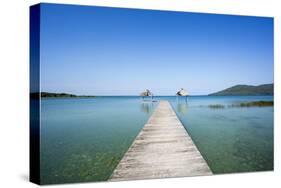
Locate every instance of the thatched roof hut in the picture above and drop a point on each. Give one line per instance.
(182, 92)
(146, 93)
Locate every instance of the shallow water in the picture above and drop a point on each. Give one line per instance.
(231, 139)
(84, 139)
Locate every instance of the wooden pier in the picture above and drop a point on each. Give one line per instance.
(162, 149)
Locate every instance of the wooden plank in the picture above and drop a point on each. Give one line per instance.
(162, 149)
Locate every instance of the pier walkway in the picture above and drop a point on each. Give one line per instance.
(162, 149)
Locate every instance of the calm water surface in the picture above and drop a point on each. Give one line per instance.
(84, 139)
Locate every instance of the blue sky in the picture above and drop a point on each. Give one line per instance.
(110, 51)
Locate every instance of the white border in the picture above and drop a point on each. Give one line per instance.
(14, 121)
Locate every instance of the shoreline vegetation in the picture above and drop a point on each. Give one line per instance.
(243, 104)
(215, 106)
(58, 95)
(212, 106)
(237, 90)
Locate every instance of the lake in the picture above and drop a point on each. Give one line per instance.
(83, 139)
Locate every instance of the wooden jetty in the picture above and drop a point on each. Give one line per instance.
(162, 149)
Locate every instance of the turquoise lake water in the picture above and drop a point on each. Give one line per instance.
(83, 139)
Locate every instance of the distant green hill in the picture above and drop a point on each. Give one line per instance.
(265, 89)
(58, 95)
